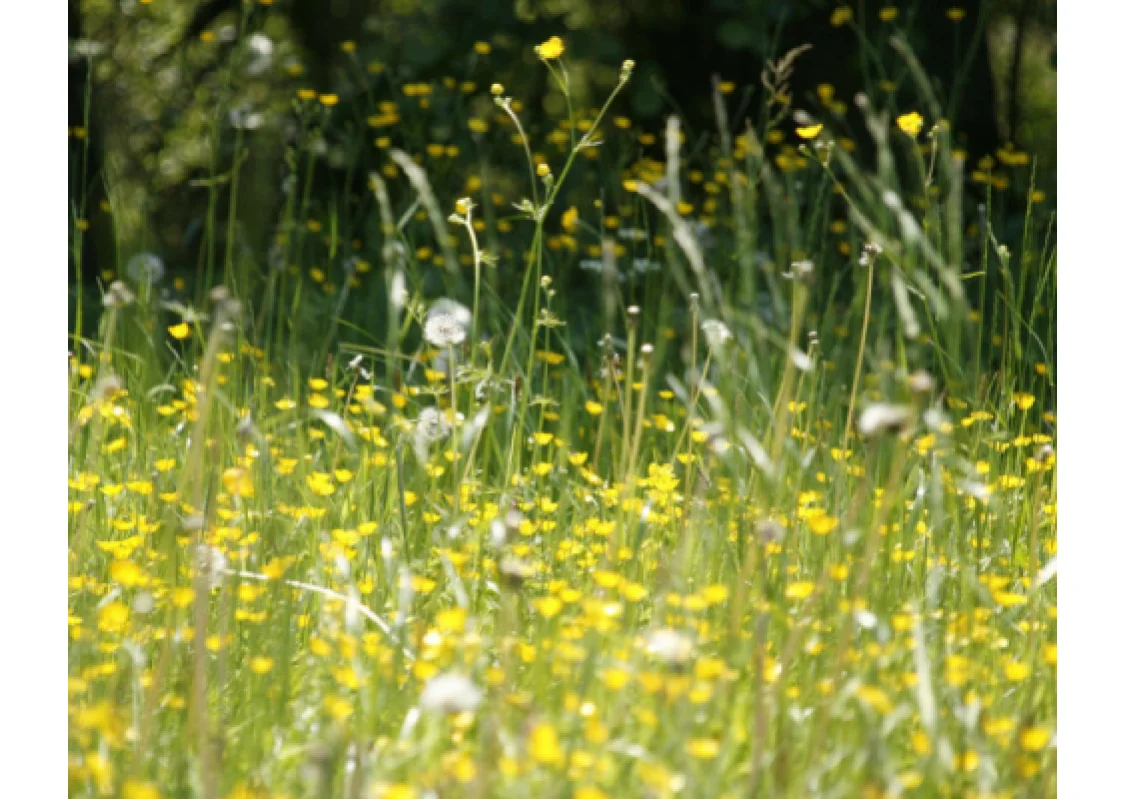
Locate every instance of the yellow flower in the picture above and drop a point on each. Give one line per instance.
(714, 594)
(236, 481)
(1016, 671)
(840, 16)
(1023, 401)
(451, 620)
(823, 524)
(594, 408)
(1035, 739)
(337, 707)
(180, 331)
(809, 131)
(243, 791)
(910, 124)
(125, 572)
(703, 748)
(543, 746)
(874, 698)
(570, 219)
(799, 590)
(548, 606)
(135, 789)
(113, 617)
(967, 762)
(550, 49)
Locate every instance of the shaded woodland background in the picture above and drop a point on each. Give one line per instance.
(168, 98)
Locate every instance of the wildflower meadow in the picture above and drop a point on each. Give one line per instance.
(482, 437)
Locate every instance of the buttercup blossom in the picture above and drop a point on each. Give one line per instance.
(551, 49)
(910, 124)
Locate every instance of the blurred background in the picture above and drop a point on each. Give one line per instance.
(201, 122)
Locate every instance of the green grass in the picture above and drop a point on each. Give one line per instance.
(781, 536)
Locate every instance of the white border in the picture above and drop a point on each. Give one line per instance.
(33, 71)
(1091, 296)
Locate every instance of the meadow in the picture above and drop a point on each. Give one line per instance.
(660, 469)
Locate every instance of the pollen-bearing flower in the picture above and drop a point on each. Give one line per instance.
(910, 124)
(550, 49)
(443, 330)
(809, 131)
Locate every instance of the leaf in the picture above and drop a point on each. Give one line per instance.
(337, 424)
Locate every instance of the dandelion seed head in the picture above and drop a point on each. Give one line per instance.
(118, 295)
(430, 426)
(920, 382)
(145, 267)
(515, 571)
(716, 333)
(769, 531)
(803, 269)
(671, 647)
(213, 564)
(450, 693)
(259, 49)
(399, 295)
(880, 418)
(442, 330)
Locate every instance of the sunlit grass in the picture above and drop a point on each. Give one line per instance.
(772, 529)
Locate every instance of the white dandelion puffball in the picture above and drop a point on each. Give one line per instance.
(450, 693)
(716, 333)
(213, 563)
(669, 646)
(145, 267)
(259, 50)
(442, 330)
(463, 315)
(882, 418)
(431, 425)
